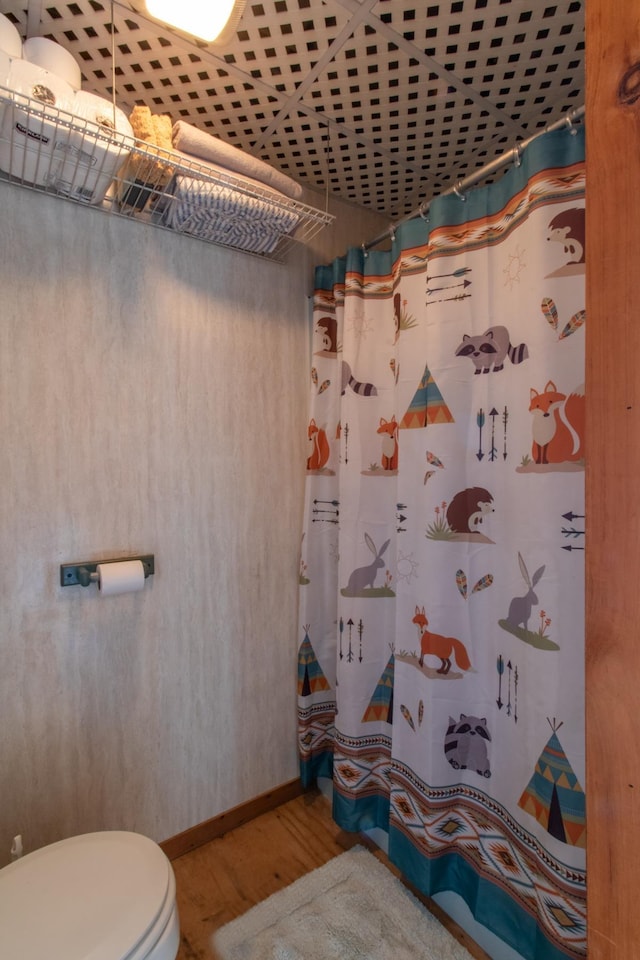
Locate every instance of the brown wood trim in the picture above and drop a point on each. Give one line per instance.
(613, 467)
(209, 830)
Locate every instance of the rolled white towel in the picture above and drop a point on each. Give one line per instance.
(197, 143)
(51, 56)
(10, 39)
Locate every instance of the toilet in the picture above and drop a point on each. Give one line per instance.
(99, 896)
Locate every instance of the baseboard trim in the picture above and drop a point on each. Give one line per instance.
(209, 830)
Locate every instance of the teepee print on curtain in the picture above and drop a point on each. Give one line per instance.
(454, 467)
(427, 405)
(310, 676)
(554, 795)
(381, 704)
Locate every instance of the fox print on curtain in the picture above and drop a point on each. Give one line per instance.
(440, 665)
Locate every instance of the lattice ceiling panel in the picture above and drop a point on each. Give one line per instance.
(381, 102)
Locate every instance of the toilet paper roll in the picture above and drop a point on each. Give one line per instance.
(10, 39)
(31, 132)
(52, 57)
(5, 66)
(5, 69)
(99, 143)
(121, 576)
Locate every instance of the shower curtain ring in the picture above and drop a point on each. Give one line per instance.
(423, 210)
(365, 252)
(458, 192)
(392, 233)
(572, 127)
(517, 155)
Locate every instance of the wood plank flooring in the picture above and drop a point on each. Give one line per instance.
(226, 877)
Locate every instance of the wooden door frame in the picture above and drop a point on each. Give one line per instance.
(613, 479)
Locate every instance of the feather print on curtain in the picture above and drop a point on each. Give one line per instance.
(440, 667)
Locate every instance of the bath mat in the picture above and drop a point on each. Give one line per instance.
(352, 907)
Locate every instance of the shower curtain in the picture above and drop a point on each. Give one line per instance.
(440, 666)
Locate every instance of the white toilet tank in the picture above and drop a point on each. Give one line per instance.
(103, 896)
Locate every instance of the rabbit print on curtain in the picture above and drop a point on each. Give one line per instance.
(440, 661)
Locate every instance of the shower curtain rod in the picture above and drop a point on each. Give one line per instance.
(494, 165)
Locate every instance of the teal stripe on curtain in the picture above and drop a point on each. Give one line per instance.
(558, 149)
(358, 814)
(509, 921)
(320, 767)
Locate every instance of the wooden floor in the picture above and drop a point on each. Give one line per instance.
(224, 878)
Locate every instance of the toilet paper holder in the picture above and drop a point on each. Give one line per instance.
(72, 574)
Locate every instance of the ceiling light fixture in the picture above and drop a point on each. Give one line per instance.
(207, 21)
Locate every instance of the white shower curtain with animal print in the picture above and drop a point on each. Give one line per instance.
(440, 665)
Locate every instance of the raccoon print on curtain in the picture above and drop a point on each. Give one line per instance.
(440, 665)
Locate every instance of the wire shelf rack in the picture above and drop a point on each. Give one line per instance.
(48, 149)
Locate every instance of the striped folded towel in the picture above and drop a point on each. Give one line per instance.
(216, 212)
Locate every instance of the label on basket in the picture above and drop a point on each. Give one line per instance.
(67, 187)
(75, 153)
(31, 133)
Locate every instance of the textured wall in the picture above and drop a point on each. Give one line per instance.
(152, 399)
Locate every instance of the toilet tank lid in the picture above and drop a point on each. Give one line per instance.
(91, 897)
